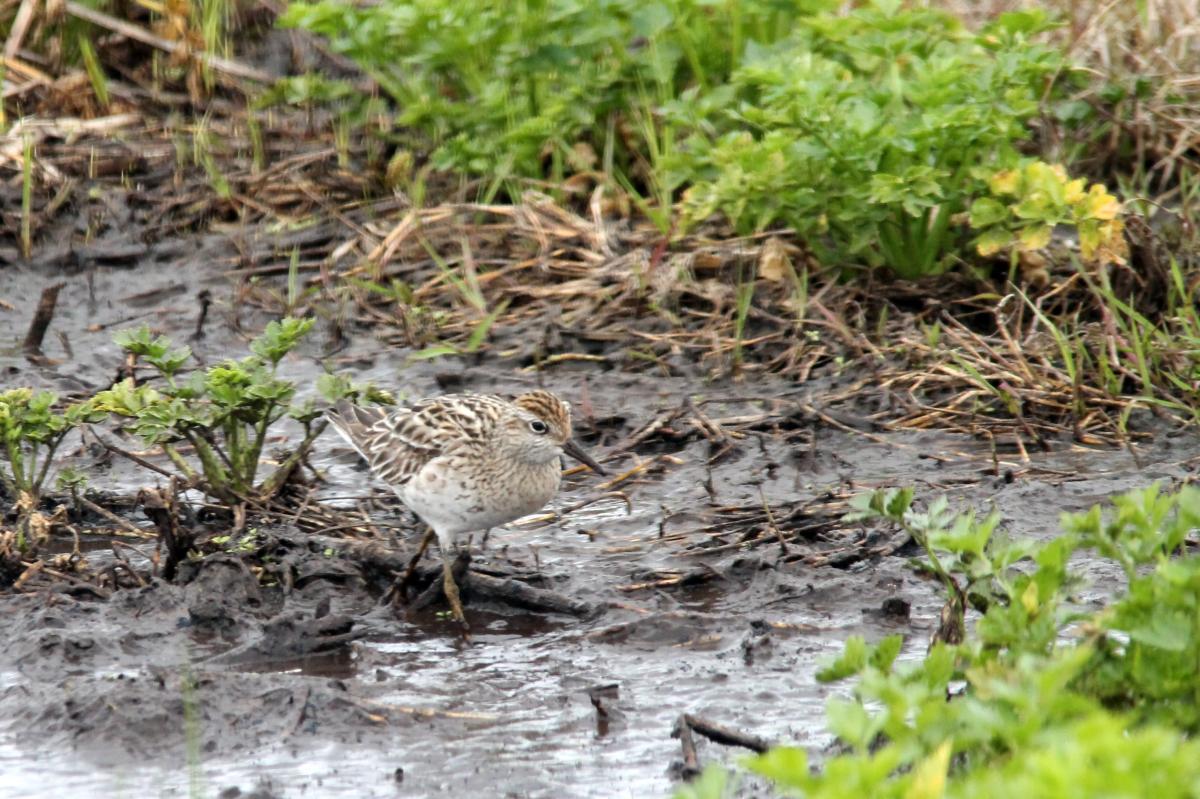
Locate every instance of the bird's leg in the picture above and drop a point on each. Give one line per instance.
(483, 541)
(398, 590)
(401, 586)
(451, 587)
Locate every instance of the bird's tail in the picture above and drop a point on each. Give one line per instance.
(355, 424)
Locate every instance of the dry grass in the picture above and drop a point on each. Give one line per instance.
(542, 283)
(538, 285)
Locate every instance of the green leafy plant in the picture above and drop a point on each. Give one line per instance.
(1145, 663)
(154, 350)
(866, 131)
(1040, 699)
(975, 566)
(70, 479)
(537, 88)
(32, 431)
(73, 481)
(1023, 206)
(334, 387)
(224, 413)
(1016, 732)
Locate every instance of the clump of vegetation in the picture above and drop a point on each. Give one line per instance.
(510, 90)
(1041, 695)
(1024, 205)
(225, 413)
(866, 132)
(32, 431)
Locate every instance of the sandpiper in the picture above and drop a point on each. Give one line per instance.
(466, 462)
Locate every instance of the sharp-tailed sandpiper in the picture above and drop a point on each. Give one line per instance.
(466, 462)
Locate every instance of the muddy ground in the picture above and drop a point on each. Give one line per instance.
(225, 684)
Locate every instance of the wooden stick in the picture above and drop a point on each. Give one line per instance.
(691, 761)
(724, 735)
(124, 524)
(42, 318)
(16, 34)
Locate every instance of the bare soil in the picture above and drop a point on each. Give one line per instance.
(714, 586)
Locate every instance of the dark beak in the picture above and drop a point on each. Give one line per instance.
(572, 449)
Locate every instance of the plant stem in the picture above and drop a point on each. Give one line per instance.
(179, 462)
(17, 462)
(211, 457)
(51, 447)
(260, 440)
(277, 478)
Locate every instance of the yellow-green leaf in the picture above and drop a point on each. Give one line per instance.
(992, 241)
(1074, 191)
(929, 777)
(1101, 204)
(1089, 239)
(1035, 238)
(1029, 598)
(1004, 182)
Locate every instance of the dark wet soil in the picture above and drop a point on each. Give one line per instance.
(227, 683)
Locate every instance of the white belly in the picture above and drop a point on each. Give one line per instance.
(452, 503)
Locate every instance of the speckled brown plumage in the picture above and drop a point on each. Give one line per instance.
(466, 462)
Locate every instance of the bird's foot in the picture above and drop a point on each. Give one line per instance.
(452, 576)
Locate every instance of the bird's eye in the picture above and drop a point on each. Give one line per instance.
(538, 426)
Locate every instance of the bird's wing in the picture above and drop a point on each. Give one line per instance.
(398, 444)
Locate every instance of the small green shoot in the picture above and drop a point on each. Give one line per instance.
(32, 431)
(27, 197)
(71, 480)
(744, 299)
(258, 148)
(202, 156)
(95, 72)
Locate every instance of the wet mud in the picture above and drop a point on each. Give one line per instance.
(714, 585)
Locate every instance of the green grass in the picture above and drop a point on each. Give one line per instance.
(95, 72)
(1157, 351)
